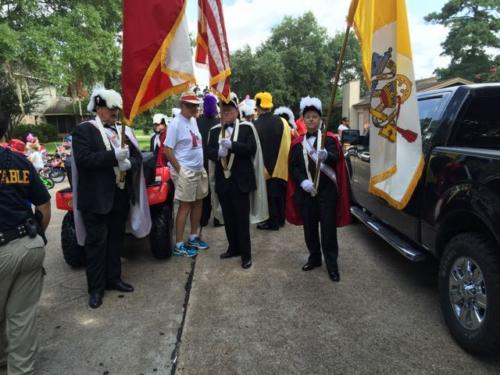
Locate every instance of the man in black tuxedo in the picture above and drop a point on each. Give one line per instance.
(232, 153)
(102, 198)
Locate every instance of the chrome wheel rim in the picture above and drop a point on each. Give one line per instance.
(467, 290)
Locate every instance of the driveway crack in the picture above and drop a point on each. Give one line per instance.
(176, 352)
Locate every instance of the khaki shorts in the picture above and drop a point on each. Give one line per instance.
(190, 186)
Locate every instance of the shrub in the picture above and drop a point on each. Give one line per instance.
(44, 132)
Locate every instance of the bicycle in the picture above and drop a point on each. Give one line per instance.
(47, 181)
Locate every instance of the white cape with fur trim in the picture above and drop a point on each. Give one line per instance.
(139, 219)
(259, 211)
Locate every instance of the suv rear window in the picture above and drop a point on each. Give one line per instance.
(479, 126)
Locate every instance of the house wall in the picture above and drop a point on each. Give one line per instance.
(350, 96)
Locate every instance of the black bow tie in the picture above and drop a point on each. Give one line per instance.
(309, 135)
(112, 127)
(228, 126)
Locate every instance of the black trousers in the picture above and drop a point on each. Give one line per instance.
(235, 211)
(276, 197)
(104, 243)
(319, 214)
(206, 210)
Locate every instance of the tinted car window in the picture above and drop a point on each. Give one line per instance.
(480, 124)
(429, 111)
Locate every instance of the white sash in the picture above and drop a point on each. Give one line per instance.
(226, 166)
(111, 140)
(310, 151)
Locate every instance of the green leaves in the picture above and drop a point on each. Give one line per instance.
(65, 42)
(474, 27)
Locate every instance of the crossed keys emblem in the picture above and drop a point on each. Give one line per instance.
(388, 92)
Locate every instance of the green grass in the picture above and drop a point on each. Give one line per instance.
(143, 141)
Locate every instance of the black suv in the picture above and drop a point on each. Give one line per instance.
(454, 213)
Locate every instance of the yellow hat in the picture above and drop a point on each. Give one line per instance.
(264, 100)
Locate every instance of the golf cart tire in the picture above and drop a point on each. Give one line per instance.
(74, 254)
(161, 240)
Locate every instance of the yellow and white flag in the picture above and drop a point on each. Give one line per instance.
(396, 157)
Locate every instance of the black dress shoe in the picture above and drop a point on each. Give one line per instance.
(310, 266)
(121, 286)
(95, 300)
(267, 226)
(217, 223)
(335, 276)
(246, 264)
(228, 254)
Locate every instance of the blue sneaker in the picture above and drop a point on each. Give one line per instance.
(185, 251)
(197, 243)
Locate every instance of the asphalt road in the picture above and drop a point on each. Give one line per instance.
(209, 316)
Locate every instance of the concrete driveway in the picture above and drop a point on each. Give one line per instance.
(209, 316)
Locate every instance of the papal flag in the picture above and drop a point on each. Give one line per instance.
(211, 45)
(396, 157)
(157, 56)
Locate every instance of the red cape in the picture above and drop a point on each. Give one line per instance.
(343, 201)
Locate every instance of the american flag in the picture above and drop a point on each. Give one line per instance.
(211, 45)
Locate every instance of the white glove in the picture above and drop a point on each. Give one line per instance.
(222, 152)
(308, 186)
(122, 153)
(322, 154)
(124, 165)
(226, 143)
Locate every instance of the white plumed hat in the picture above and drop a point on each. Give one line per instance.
(309, 103)
(102, 97)
(158, 117)
(287, 114)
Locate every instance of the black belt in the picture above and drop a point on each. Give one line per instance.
(12, 234)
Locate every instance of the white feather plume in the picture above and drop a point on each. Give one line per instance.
(287, 111)
(112, 98)
(247, 110)
(310, 102)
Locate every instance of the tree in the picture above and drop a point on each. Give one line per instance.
(474, 27)
(9, 102)
(298, 59)
(72, 44)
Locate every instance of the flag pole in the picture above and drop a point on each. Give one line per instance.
(340, 63)
(123, 135)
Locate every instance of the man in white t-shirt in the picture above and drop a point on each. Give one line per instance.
(184, 151)
(344, 125)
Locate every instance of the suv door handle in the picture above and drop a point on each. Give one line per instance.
(365, 156)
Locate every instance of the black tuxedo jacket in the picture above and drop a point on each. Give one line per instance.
(298, 171)
(96, 176)
(242, 171)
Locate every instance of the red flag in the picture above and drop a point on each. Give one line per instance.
(157, 59)
(211, 45)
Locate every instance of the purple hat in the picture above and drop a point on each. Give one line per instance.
(210, 105)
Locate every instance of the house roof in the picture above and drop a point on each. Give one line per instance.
(62, 105)
(425, 84)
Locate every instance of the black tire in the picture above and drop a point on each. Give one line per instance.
(74, 254)
(57, 174)
(485, 258)
(161, 236)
